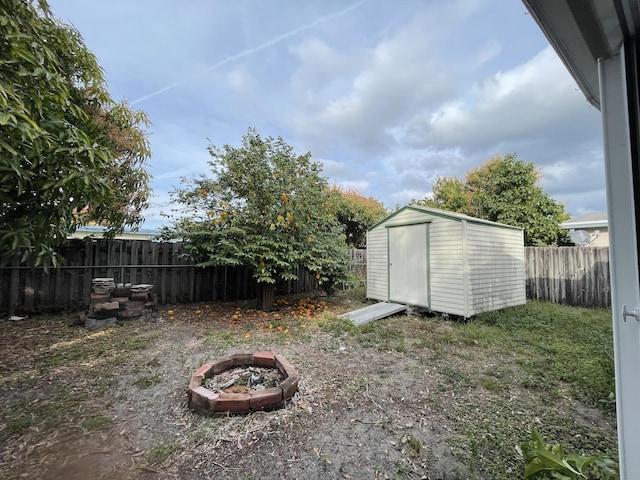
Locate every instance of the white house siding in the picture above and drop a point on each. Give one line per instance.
(446, 265)
(495, 263)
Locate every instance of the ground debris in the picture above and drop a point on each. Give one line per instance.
(244, 379)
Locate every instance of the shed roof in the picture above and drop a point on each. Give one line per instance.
(445, 214)
(588, 220)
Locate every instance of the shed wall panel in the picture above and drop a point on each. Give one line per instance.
(446, 265)
(377, 264)
(495, 262)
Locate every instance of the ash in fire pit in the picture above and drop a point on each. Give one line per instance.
(242, 383)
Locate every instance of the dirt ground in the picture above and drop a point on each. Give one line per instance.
(112, 404)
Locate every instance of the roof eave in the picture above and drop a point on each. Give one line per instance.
(582, 32)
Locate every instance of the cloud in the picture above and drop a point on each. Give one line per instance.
(507, 105)
(253, 50)
(360, 186)
(397, 76)
(240, 80)
(489, 51)
(320, 65)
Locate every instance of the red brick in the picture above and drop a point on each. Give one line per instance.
(284, 366)
(106, 306)
(289, 387)
(233, 402)
(196, 381)
(199, 398)
(242, 359)
(199, 375)
(264, 359)
(265, 398)
(221, 365)
(204, 371)
(210, 397)
(100, 298)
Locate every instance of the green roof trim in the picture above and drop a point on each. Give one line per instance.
(444, 214)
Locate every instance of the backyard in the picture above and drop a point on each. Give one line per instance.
(405, 397)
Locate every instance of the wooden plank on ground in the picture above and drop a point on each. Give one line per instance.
(368, 314)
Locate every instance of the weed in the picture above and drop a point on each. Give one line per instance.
(104, 382)
(456, 376)
(222, 339)
(490, 384)
(154, 362)
(385, 337)
(330, 323)
(161, 452)
(96, 422)
(546, 461)
(147, 381)
(357, 385)
(414, 444)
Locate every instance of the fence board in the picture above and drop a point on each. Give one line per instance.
(577, 276)
(176, 280)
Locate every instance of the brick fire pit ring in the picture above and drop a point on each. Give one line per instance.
(204, 401)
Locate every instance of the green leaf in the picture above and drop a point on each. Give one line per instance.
(580, 461)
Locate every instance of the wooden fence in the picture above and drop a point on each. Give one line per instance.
(577, 276)
(358, 263)
(175, 279)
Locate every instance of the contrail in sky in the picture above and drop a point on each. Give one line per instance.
(259, 48)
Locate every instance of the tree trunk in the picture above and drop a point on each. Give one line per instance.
(266, 295)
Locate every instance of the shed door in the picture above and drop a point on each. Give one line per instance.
(408, 265)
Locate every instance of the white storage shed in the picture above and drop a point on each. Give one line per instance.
(445, 262)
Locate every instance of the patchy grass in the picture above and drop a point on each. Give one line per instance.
(512, 370)
(483, 384)
(48, 412)
(556, 346)
(162, 451)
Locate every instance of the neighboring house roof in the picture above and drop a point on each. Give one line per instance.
(588, 220)
(94, 231)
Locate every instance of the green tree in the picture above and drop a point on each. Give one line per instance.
(504, 189)
(69, 154)
(356, 214)
(265, 207)
(449, 193)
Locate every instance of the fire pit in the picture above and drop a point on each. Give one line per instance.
(207, 401)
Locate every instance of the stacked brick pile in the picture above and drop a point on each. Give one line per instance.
(111, 302)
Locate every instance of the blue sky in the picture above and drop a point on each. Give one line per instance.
(387, 95)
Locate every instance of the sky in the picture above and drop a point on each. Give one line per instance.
(386, 95)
